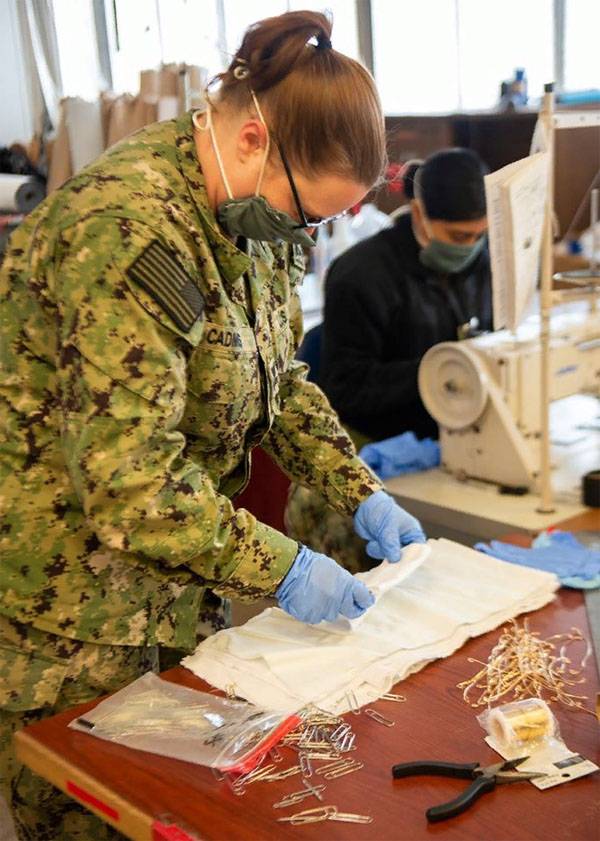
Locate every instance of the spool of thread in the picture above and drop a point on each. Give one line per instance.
(524, 722)
(29, 195)
(20, 193)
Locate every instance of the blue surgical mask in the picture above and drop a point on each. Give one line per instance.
(253, 217)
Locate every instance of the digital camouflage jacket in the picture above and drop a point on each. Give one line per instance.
(142, 357)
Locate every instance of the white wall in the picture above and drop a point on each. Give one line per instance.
(16, 120)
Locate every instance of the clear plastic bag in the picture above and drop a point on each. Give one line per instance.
(171, 720)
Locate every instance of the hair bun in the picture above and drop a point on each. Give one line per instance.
(273, 47)
(408, 176)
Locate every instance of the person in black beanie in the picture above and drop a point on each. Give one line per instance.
(391, 297)
(388, 299)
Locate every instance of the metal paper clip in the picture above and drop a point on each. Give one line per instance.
(219, 777)
(233, 786)
(389, 696)
(256, 774)
(352, 765)
(258, 766)
(321, 813)
(316, 790)
(305, 765)
(381, 719)
(340, 731)
(348, 817)
(299, 796)
(331, 765)
(282, 775)
(347, 742)
(354, 705)
(308, 734)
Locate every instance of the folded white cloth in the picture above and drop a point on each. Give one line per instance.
(380, 579)
(278, 662)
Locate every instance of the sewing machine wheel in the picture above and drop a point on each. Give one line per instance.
(453, 385)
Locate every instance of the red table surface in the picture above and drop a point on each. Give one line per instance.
(433, 723)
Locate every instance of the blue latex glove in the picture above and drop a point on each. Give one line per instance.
(317, 589)
(561, 553)
(401, 454)
(387, 527)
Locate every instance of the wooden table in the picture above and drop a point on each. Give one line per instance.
(152, 797)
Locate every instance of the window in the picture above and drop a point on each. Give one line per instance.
(344, 36)
(239, 14)
(134, 41)
(189, 32)
(449, 55)
(415, 54)
(496, 38)
(77, 50)
(430, 56)
(582, 54)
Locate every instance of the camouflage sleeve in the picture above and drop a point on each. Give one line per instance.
(309, 443)
(123, 389)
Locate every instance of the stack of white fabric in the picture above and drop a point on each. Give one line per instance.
(455, 593)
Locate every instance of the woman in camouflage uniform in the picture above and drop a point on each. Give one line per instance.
(149, 320)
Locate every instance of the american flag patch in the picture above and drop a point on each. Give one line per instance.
(158, 272)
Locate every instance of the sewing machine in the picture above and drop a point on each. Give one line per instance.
(485, 395)
(518, 409)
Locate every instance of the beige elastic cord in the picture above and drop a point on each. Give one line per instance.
(422, 240)
(268, 143)
(197, 115)
(418, 198)
(211, 129)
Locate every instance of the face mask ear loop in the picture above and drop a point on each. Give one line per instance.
(211, 129)
(418, 194)
(267, 145)
(425, 221)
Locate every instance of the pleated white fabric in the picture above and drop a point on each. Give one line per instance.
(278, 662)
(380, 579)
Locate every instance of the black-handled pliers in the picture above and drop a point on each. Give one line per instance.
(484, 779)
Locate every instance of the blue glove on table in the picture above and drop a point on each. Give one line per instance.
(387, 527)
(561, 553)
(317, 589)
(401, 454)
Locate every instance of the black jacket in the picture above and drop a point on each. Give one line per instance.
(383, 310)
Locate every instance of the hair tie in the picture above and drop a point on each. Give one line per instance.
(241, 71)
(323, 42)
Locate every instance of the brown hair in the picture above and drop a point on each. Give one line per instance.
(321, 106)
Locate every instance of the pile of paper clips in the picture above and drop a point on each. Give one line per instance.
(321, 737)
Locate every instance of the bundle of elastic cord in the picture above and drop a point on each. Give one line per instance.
(521, 665)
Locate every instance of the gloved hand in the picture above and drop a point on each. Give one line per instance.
(401, 454)
(386, 526)
(574, 564)
(317, 589)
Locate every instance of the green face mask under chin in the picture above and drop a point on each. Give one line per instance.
(253, 217)
(449, 258)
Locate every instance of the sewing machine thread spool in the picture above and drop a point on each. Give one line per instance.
(521, 723)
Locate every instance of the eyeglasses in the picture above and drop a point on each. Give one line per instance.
(306, 222)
